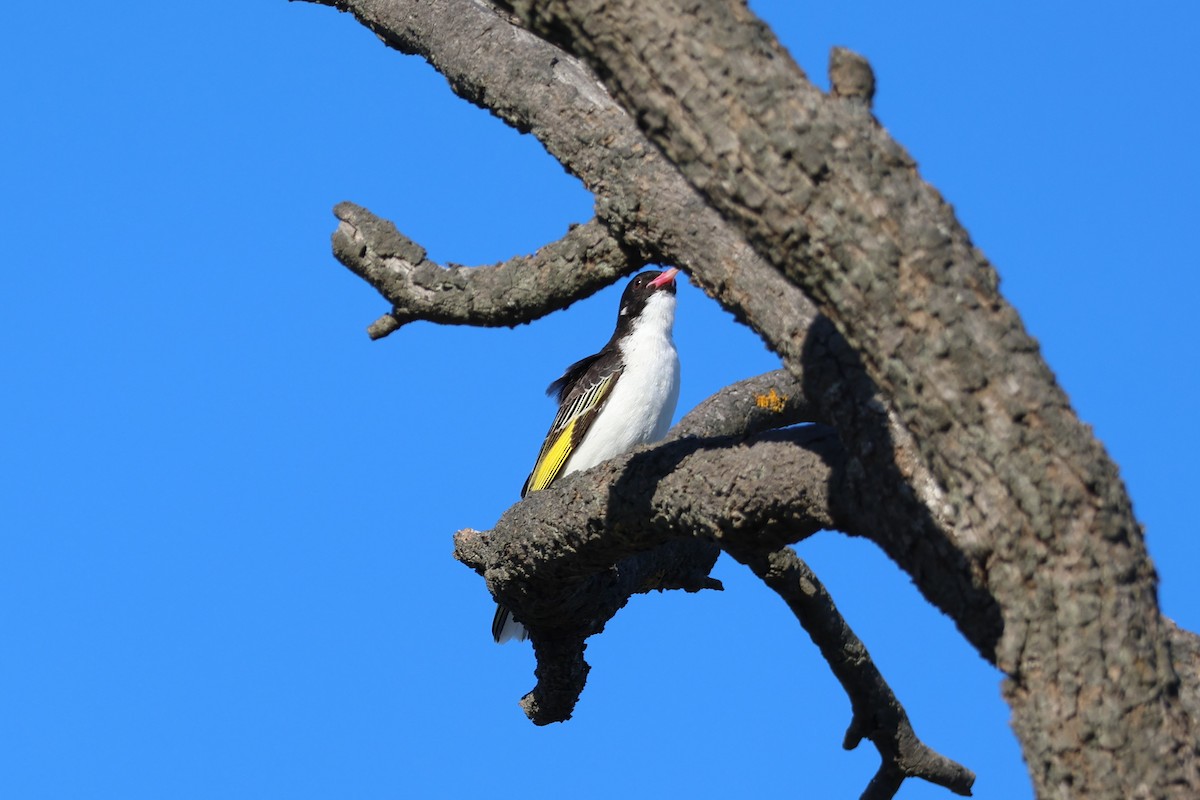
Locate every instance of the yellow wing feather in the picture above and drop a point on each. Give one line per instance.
(570, 425)
(552, 460)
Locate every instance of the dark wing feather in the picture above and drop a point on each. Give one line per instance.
(582, 391)
(570, 378)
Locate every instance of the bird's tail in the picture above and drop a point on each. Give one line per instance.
(504, 627)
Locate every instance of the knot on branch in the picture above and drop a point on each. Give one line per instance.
(765, 402)
(851, 77)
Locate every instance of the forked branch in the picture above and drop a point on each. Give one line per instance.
(876, 713)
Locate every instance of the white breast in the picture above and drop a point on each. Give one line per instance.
(641, 405)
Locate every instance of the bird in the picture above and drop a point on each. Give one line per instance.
(621, 397)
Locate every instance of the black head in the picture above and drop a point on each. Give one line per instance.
(638, 293)
(643, 286)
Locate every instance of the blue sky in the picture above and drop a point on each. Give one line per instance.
(225, 560)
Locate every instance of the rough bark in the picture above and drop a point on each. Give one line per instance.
(583, 261)
(568, 558)
(878, 716)
(706, 147)
(825, 196)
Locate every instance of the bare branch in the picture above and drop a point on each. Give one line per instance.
(561, 670)
(565, 559)
(590, 600)
(762, 403)
(640, 196)
(516, 291)
(877, 714)
(773, 489)
(561, 673)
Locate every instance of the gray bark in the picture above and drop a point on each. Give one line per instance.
(955, 450)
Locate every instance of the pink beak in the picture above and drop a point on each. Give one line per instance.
(665, 278)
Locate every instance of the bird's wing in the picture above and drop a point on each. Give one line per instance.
(582, 391)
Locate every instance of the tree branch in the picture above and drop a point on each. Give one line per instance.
(561, 670)
(877, 714)
(640, 196)
(709, 488)
(589, 574)
(565, 559)
(765, 402)
(516, 291)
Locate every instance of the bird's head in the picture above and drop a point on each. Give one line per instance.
(644, 287)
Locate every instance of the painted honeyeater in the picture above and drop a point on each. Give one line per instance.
(610, 402)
